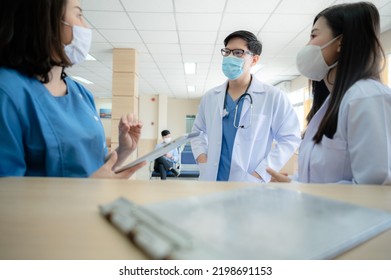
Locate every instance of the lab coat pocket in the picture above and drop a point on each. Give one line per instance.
(334, 144)
(203, 172)
(334, 156)
(257, 128)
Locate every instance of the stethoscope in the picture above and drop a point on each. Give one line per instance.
(243, 96)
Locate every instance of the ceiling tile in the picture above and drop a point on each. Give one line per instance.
(90, 65)
(153, 21)
(168, 58)
(109, 20)
(104, 58)
(178, 72)
(199, 6)
(121, 36)
(251, 6)
(197, 37)
(385, 23)
(169, 37)
(289, 51)
(306, 7)
(145, 57)
(197, 49)
(163, 48)
(151, 76)
(203, 65)
(302, 38)
(97, 37)
(386, 9)
(273, 42)
(287, 23)
(198, 22)
(252, 23)
(197, 58)
(377, 3)
(170, 65)
(105, 5)
(101, 47)
(149, 72)
(160, 6)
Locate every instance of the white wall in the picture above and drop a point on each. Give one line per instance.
(148, 113)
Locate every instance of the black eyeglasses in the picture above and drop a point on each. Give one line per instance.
(236, 52)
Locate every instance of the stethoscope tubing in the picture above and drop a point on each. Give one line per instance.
(243, 96)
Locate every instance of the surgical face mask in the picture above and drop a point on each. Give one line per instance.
(78, 49)
(232, 67)
(310, 61)
(167, 140)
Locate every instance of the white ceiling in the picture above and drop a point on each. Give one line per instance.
(168, 33)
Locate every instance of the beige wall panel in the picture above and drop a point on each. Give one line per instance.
(123, 105)
(125, 60)
(125, 84)
(114, 131)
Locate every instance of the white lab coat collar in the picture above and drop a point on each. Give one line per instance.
(256, 87)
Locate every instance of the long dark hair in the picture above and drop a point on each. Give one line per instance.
(359, 58)
(30, 36)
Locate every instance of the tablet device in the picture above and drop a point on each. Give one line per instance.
(161, 151)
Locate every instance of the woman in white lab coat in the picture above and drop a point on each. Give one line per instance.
(241, 118)
(348, 138)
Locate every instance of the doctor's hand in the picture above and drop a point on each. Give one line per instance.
(107, 169)
(202, 158)
(129, 129)
(278, 177)
(256, 175)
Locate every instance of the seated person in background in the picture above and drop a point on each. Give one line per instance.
(168, 161)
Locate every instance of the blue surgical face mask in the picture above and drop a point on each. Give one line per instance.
(232, 67)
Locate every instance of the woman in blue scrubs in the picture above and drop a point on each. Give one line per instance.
(348, 138)
(49, 125)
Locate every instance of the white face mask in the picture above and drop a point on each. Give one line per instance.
(78, 49)
(167, 140)
(310, 61)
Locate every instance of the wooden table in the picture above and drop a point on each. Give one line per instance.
(58, 218)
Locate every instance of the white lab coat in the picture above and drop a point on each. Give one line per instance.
(360, 151)
(273, 118)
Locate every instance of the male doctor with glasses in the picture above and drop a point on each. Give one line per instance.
(241, 118)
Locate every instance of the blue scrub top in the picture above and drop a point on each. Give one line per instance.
(229, 133)
(45, 135)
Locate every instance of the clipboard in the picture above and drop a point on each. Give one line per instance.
(161, 151)
(156, 237)
(256, 223)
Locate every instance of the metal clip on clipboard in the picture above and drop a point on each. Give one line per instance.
(157, 238)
